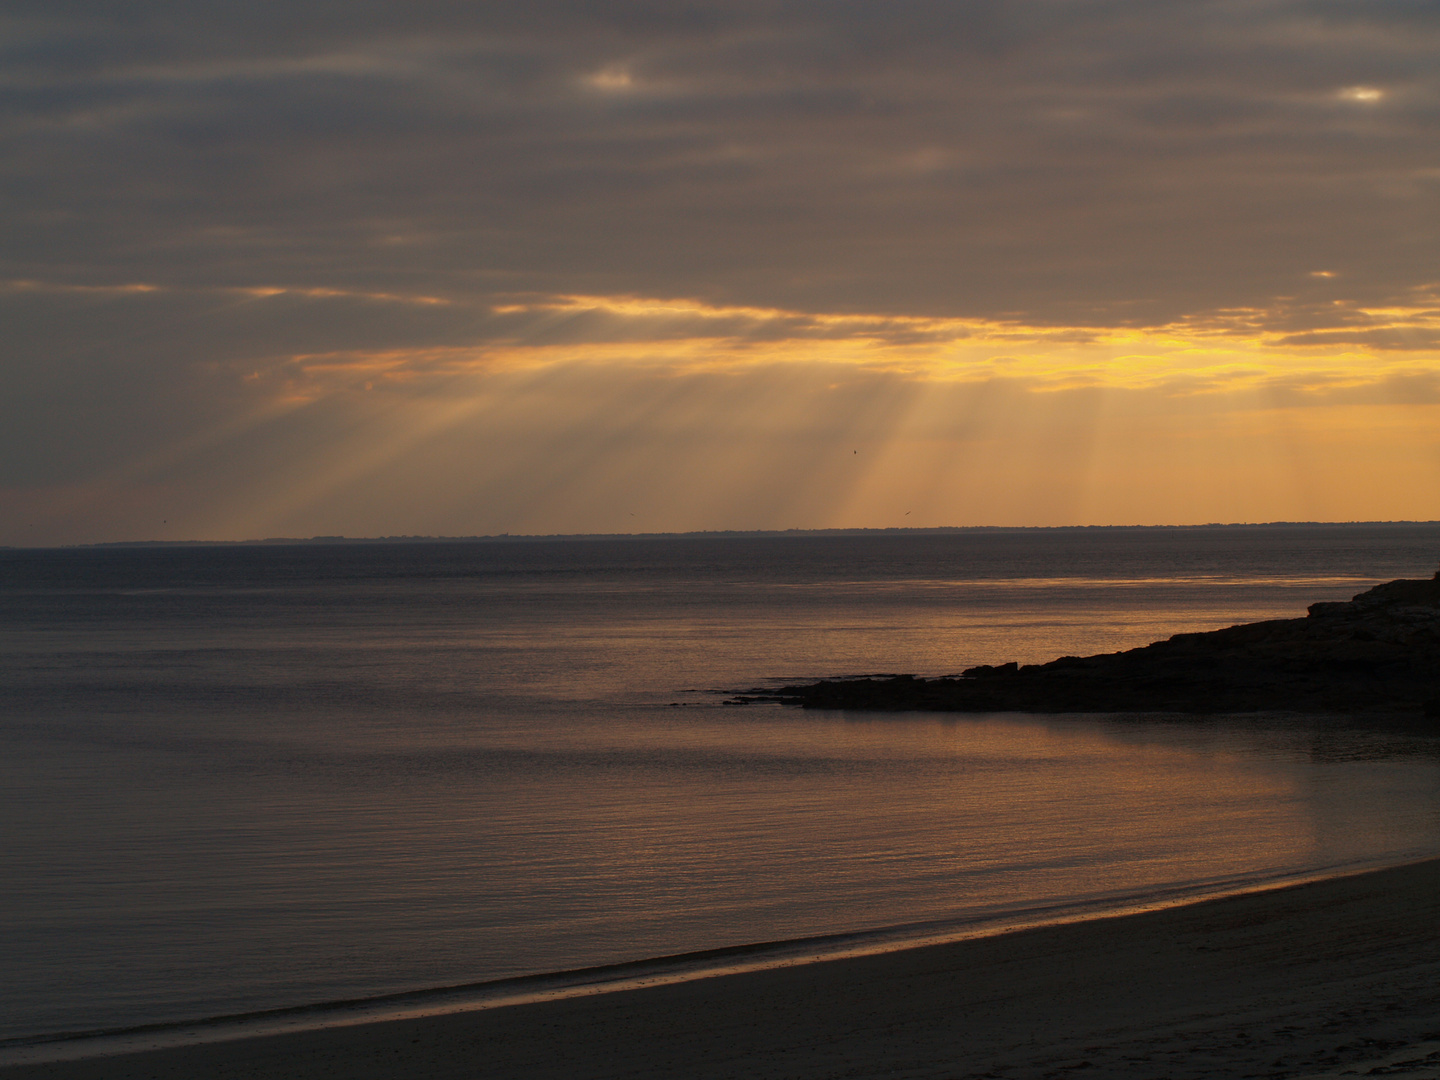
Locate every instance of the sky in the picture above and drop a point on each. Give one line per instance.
(330, 267)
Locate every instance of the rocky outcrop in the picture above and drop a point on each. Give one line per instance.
(1377, 653)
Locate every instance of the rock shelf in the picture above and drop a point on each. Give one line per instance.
(1378, 653)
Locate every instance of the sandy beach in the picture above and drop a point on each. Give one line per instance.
(1336, 978)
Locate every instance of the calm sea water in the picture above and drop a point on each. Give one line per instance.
(235, 778)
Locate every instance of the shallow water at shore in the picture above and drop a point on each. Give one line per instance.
(1321, 981)
(648, 973)
(312, 776)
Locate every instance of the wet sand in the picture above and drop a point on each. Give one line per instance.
(1337, 978)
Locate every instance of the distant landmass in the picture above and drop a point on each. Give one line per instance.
(740, 533)
(1376, 653)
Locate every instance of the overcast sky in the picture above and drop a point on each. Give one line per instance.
(443, 267)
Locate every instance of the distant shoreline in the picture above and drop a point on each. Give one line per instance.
(716, 534)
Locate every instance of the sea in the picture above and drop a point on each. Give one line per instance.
(240, 778)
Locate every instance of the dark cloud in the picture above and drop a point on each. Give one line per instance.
(1387, 338)
(1071, 162)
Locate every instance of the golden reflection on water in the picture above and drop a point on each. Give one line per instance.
(914, 818)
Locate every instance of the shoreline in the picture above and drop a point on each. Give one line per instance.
(662, 970)
(1406, 896)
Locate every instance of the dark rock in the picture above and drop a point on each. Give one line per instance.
(1377, 653)
(985, 670)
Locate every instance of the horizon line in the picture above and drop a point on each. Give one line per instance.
(281, 541)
